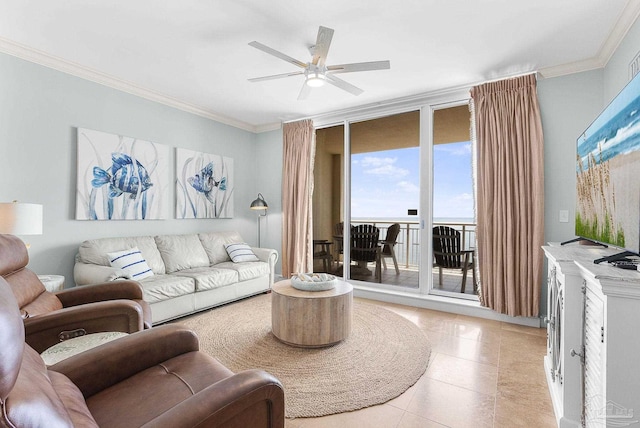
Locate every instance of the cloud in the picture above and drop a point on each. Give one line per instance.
(455, 206)
(463, 197)
(408, 187)
(382, 166)
(455, 149)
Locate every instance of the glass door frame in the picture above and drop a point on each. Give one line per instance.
(426, 104)
(426, 283)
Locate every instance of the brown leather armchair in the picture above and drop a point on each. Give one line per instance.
(153, 378)
(48, 317)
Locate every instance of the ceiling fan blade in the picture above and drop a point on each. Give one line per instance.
(343, 85)
(304, 92)
(321, 48)
(278, 54)
(359, 66)
(275, 76)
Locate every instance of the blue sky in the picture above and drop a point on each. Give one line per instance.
(386, 184)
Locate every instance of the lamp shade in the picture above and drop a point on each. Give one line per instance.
(20, 219)
(259, 203)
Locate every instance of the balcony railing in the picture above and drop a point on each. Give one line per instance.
(408, 242)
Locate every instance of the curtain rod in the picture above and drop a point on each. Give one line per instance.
(417, 97)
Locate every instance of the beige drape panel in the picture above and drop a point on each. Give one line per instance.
(510, 195)
(297, 188)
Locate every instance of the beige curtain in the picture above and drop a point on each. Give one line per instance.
(510, 195)
(297, 188)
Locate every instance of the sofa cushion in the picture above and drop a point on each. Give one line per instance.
(181, 252)
(163, 287)
(213, 243)
(208, 278)
(132, 262)
(240, 252)
(246, 270)
(95, 251)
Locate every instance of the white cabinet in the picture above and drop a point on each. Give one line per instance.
(598, 384)
(612, 347)
(564, 334)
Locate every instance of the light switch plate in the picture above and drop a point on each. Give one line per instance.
(564, 216)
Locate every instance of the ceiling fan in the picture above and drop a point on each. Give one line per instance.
(316, 72)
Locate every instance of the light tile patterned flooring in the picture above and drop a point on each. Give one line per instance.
(482, 373)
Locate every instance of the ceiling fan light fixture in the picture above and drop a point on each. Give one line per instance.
(315, 80)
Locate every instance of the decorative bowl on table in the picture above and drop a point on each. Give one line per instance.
(313, 281)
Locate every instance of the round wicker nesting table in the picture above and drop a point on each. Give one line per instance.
(311, 319)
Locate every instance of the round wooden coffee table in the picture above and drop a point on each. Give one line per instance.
(311, 319)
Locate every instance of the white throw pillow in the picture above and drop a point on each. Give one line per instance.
(240, 252)
(131, 260)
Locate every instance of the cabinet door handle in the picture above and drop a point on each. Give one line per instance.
(573, 353)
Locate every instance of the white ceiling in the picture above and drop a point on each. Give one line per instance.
(194, 54)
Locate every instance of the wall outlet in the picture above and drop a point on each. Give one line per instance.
(564, 216)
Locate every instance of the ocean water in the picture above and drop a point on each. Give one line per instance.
(413, 219)
(620, 135)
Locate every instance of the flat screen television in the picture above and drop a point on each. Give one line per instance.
(608, 175)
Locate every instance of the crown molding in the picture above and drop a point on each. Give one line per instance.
(38, 57)
(627, 18)
(572, 67)
(267, 127)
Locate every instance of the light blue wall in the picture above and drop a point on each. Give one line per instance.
(568, 104)
(41, 108)
(616, 73)
(269, 172)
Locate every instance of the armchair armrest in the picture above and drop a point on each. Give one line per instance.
(101, 367)
(121, 289)
(252, 398)
(41, 331)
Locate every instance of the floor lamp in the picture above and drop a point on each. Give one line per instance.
(261, 205)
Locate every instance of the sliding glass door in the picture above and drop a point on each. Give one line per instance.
(381, 185)
(452, 203)
(383, 171)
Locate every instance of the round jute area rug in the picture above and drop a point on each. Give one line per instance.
(384, 355)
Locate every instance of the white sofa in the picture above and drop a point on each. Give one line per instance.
(190, 272)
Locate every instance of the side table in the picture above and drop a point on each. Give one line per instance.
(52, 283)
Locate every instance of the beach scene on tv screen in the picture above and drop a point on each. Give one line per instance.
(608, 164)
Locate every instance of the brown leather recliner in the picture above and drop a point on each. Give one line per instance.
(153, 378)
(112, 306)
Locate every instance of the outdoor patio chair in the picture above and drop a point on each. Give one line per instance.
(447, 254)
(365, 248)
(388, 244)
(338, 236)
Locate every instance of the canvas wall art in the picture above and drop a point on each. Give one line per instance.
(607, 187)
(204, 185)
(120, 178)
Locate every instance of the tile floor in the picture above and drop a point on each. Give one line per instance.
(482, 374)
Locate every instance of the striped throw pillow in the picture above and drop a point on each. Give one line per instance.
(240, 252)
(131, 260)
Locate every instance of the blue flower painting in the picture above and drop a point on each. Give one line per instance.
(204, 185)
(120, 178)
